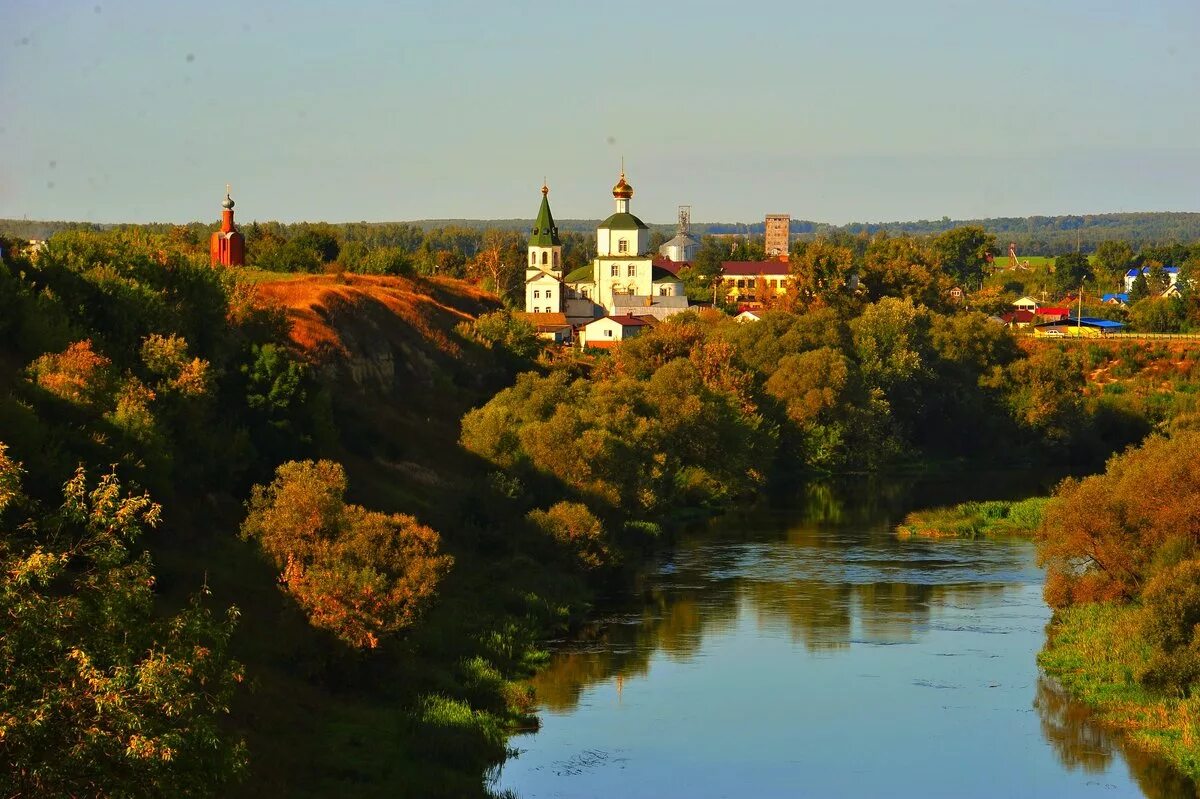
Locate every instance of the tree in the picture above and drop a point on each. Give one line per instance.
(360, 574)
(824, 274)
(1158, 314)
(1113, 260)
(963, 253)
(903, 267)
(1140, 289)
(102, 695)
(1105, 535)
(1070, 272)
(498, 263)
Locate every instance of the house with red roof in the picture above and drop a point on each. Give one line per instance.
(1053, 314)
(752, 282)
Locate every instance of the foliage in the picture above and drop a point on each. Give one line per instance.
(1094, 651)
(1071, 271)
(505, 331)
(102, 695)
(576, 530)
(1103, 533)
(358, 573)
(962, 252)
(1158, 314)
(77, 375)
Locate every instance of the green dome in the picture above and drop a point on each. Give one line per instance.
(623, 221)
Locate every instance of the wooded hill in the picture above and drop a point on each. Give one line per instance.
(1033, 235)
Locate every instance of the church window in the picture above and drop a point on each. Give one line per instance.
(615, 270)
(537, 295)
(556, 259)
(543, 259)
(547, 293)
(623, 245)
(533, 259)
(632, 270)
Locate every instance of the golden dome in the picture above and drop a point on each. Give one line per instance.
(622, 191)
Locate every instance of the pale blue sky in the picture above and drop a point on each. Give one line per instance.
(861, 110)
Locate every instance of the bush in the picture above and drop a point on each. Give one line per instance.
(576, 531)
(358, 573)
(1170, 615)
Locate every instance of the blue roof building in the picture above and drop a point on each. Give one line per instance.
(1172, 273)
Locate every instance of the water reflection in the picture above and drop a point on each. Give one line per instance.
(812, 569)
(1081, 743)
(725, 638)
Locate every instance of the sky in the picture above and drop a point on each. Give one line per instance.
(835, 111)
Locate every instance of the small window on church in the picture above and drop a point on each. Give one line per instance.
(544, 258)
(547, 293)
(556, 259)
(632, 270)
(537, 295)
(615, 270)
(623, 245)
(533, 259)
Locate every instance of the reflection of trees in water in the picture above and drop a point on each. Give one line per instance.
(1082, 743)
(710, 577)
(674, 620)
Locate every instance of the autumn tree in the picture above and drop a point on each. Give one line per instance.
(824, 275)
(903, 267)
(576, 531)
(1104, 536)
(360, 574)
(101, 694)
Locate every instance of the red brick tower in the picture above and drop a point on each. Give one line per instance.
(228, 247)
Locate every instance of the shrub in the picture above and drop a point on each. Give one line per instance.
(78, 374)
(358, 573)
(576, 530)
(1170, 615)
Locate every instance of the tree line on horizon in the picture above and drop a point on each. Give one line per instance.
(1033, 235)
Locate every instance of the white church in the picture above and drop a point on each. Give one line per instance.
(621, 281)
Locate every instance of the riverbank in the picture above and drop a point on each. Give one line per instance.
(972, 520)
(1095, 652)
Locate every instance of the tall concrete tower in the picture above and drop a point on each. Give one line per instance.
(778, 235)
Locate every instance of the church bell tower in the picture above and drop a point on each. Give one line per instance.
(228, 246)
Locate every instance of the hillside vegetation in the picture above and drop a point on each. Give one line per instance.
(339, 512)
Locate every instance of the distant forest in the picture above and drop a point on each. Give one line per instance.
(1033, 235)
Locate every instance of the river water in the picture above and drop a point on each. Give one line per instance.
(804, 651)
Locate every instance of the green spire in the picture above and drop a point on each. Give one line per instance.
(545, 232)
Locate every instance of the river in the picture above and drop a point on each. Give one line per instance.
(804, 651)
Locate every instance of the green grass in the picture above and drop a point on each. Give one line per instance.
(996, 519)
(1095, 651)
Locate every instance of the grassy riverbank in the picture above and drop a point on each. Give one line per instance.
(1096, 652)
(973, 520)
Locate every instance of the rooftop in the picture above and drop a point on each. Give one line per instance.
(755, 268)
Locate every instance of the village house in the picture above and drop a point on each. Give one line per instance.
(1171, 273)
(607, 331)
(1026, 304)
(754, 282)
(550, 326)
